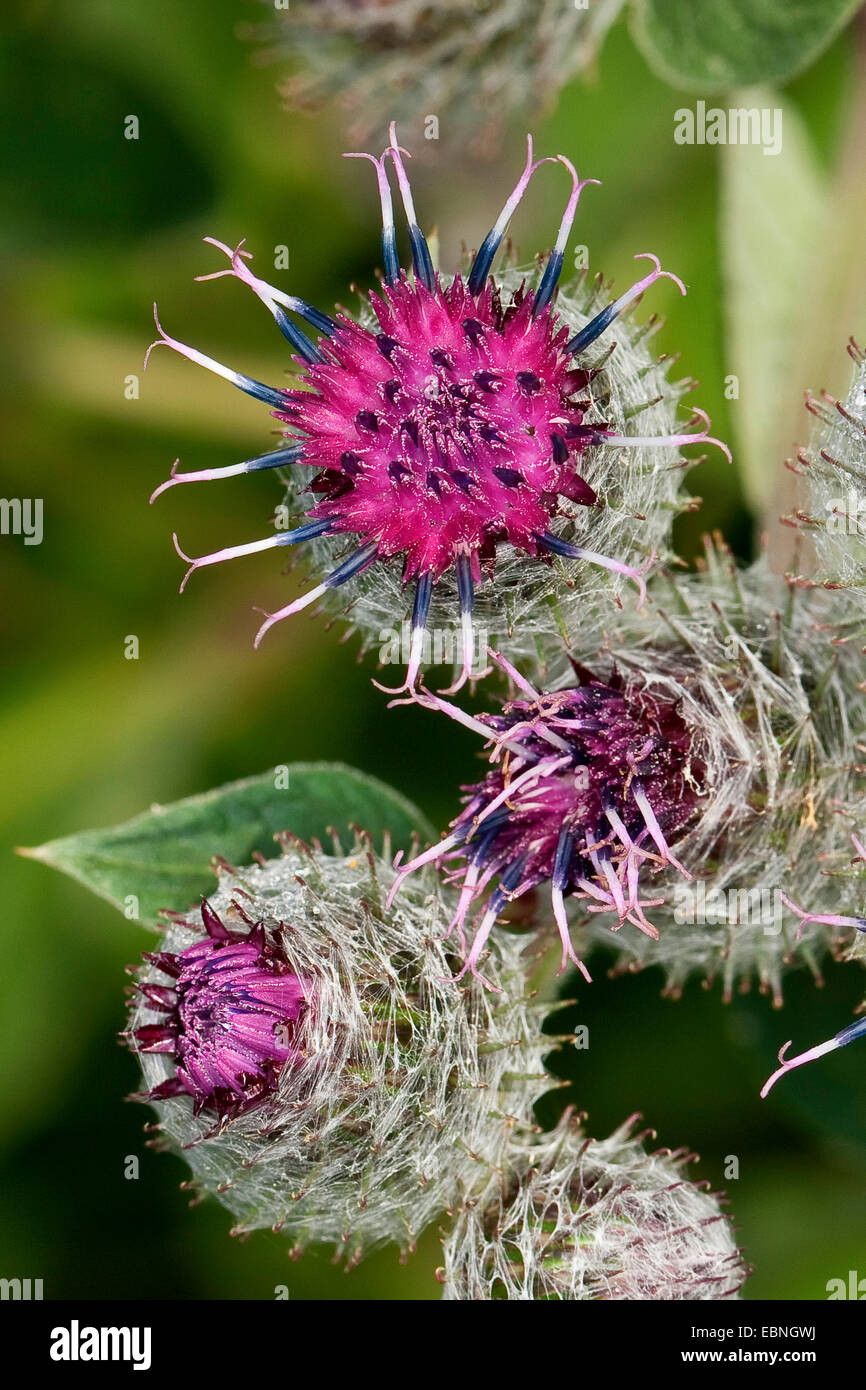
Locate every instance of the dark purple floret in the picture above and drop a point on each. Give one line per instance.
(229, 1017)
(586, 790)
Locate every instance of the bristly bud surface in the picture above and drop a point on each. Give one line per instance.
(316, 1066)
(833, 512)
(768, 678)
(571, 1218)
(476, 60)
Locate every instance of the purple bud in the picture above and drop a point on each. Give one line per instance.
(230, 1020)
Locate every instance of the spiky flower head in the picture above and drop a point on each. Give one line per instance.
(588, 787)
(572, 1218)
(475, 60)
(766, 677)
(316, 1066)
(466, 431)
(726, 852)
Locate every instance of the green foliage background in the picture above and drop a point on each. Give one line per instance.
(94, 227)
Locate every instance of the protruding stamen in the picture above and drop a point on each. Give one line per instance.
(269, 394)
(391, 263)
(436, 702)
(421, 258)
(347, 570)
(464, 902)
(577, 552)
(568, 951)
(563, 858)
(420, 613)
(602, 862)
(553, 269)
(674, 441)
(655, 830)
(826, 919)
(514, 675)
(596, 326)
(560, 879)
(273, 299)
(235, 552)
(509, 882)
(276, 459)
(429, 856)
(488, 921)
(313, 316)
(493, 240)
(466, 596)
(847, 1035)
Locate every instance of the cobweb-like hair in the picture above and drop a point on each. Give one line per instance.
(572, 1218)
(397, 1097)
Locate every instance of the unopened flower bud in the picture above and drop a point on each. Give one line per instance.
(310, 1056)
(477, 60)
(572, 1218)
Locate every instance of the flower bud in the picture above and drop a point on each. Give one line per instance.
(475, 59)
(589, 786)
(833, 512)
(569, 1217)
(312, 1059)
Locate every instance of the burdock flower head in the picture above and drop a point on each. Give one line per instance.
(588, 788)
(309, 1055)
(474, 59)
(462, 429)
(697, 780)
(769, 682)
(572, 1218)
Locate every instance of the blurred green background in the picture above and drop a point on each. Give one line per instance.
(94, 228)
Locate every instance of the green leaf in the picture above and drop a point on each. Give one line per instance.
(161, 859)
(717, 44)
(772, 241)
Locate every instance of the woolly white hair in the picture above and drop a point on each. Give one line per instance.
(773, 698)
(405, 1078)
(568, 1217)
(527, 603)
(475, 59)
(834, 469)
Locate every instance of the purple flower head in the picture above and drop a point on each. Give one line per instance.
(451, 421)
(587, 787)
(229, 1019)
